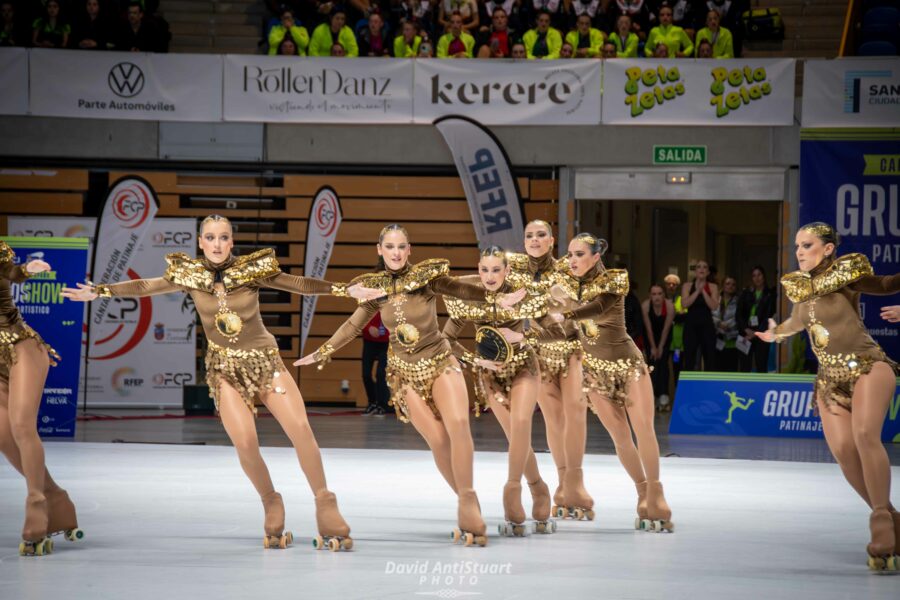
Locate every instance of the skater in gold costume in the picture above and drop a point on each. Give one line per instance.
(243, 363)
(427, 385)
(856, 379)
(24, 361)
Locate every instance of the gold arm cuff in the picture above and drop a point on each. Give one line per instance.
(102, 290)
(25, 271)
(323, 355)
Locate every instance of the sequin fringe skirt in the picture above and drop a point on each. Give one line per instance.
(8, 341)
(418, 376)
(499, 382)
(554, 358)
(838, 374)
(611, 377)
(250, 372)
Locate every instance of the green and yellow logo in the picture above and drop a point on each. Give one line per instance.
(660, 85)
(734, 88)
(737, 402)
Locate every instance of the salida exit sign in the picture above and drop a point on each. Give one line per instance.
(679, 155)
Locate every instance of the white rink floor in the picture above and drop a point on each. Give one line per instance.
(183, 522)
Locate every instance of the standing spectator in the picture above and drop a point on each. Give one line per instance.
(496, 42)
(456, 43)
(335, 31)
(49, 30)
(543, 41)
(137, 34)
(406, 45)
(518, 51)
(608, 50)
(704, 49)
(467, 10)
(676, 40)
(658, 315)
(279, 32)
(92, 30)
(718, 37)
(700, 298)
(585, 40)
(13, 30)
(673, 293)
(638, 12)
(755, 307)
(634, 322)
(725, 320)
(624, 38)
(373, 40)
(374, 360)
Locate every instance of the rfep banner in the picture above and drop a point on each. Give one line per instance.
(324, 220)
(853, 183)
(324, 90)
(770, 405)
(125, 85)
(491, 189)
(144, 350)
(13, 81)
(500, 92)
(742, 91)
(851, 92)
(59, 322)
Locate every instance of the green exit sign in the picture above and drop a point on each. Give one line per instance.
(679, 155)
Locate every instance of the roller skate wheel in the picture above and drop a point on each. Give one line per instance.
(347, 544)
(590, 515)
(74, 535)
(645, 525)
(290, 537)
(578, 514)
(501, 529)
(455, 535)
(22, 549)
(334, 544)
(481, 540)
(318, 542)
(518, 530)
(283, 542)
(561, 512)
(266, 542)
(469, 539)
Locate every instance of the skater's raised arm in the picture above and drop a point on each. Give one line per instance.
(346, 333)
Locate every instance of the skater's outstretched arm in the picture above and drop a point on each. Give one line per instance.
(309, 286)
(345, 334)
(18, 273)
(137, 288)
(453, 287)
(452, 330)
(779, 333)
(877, 285)
(595, 307)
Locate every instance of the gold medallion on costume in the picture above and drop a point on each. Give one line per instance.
(589, 328)
(819, 335)
(228, 323)
(491, 345)
(407, 335)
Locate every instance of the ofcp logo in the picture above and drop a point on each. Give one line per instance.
(325, 210)
(126, 80)
(131, 202)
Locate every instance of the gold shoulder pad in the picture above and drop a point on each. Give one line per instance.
(246, 269)
(188, 272)
(423, 273)
(842, 272)
(616, 282)
(6, 253)
(797, 286)
(517, 261)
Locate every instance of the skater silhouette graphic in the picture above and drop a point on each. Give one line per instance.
(737, 402)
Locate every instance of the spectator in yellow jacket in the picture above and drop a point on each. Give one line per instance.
(674, 37)
(718, 37)
(280, 31)
(406, 45)
(543, 41)
(624, 38)
(585, 40)
(335, 31)
(456, 43)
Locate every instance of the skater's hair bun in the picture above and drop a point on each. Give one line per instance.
(392, 227)
(824, 232)
(215, 219)
(496, 252)
(597, 244)
(542, 223)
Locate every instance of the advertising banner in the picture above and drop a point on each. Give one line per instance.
(650, 91)
(756, 404)
(321, 90)
(851, 92)
(14, 81)
(852, 181)
(125, 85)
(324, 221)
(40, 302)
(499, 92)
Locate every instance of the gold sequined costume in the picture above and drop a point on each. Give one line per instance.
(465, 312)
(826, 304)
(13, 328)
(241, 351)
(540, 274)
(418, 354)
(611, 359)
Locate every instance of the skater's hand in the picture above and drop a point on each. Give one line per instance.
(507, 301)
(309, 359)
(363, 293)
(83, 293)
(769, 334)
(891, 314)
(513, 337)
(37, 266)
(490, 365)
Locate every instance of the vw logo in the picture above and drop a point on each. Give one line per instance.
(126, 80)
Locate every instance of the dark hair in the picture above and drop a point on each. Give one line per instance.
(380, 265)
(495, 251)
(288, 39)
(597, 244)
(824, 232)
(761, 270)
(500, 8)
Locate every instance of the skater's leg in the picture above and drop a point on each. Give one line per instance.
(549, 398)
(241, 429)
(290, 412)
(575, 430)
(640, 413)
(8, 445)
(838, 428)
(452, 401)
(434, 434)
(523, 398)
(501, 413)
(615, 421)
(871, 396)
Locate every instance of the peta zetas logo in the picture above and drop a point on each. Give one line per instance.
(126, 80)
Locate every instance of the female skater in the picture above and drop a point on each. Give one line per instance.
(565, 416)
(427, 386)
(510, 388)
(854, 372)
(24, 361)
(616, 377)
(243, 362)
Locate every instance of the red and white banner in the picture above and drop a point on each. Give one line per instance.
(324, 221)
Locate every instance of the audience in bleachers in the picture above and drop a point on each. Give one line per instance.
(334, 31)
(675, 39)
(718, 37)
(50, 30)
(406, 45)
(496, 41)
(13, 29)
(139, 34)
(298, 34)
(544, 41)
(373, 37)
(585, 39)
(457, 42)
(92, 29)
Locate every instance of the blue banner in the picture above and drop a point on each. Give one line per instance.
(60, 323)
(757, 404)
(850, 178)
